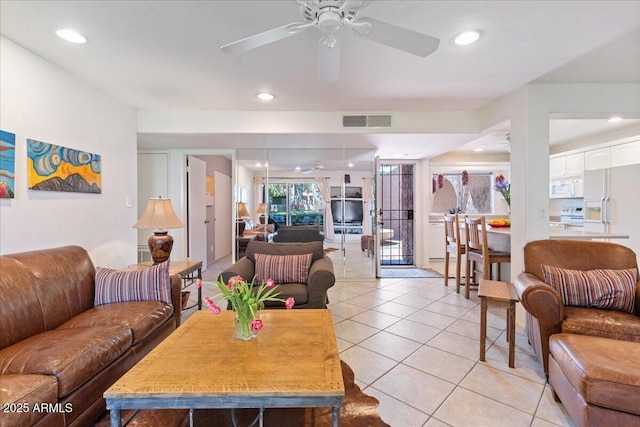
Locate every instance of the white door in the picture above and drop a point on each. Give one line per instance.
(224, 226)
(197, 208)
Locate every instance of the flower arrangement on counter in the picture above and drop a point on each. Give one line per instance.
(246, 303)
(503, 187)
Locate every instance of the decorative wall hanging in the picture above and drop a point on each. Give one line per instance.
(55, 168)
(7, 164)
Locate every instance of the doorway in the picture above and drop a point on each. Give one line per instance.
(395, 199)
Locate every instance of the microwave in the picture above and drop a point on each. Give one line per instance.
(564, 188)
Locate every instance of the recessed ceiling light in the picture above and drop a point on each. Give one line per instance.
(400, 155)
(350, 165)
(615, 119)
(265, 96)
(478, 149)
(71, 36)
(467, 37)
(297, 168)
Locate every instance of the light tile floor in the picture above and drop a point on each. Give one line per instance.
(414, 344)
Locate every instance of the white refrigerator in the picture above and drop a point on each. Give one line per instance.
(612, 203)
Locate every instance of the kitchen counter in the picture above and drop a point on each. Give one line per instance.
(559, 233)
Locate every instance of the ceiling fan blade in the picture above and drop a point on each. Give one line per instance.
(264, 38)
(329, 61)
(397, 37)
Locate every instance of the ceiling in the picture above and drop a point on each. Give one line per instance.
(165, 55)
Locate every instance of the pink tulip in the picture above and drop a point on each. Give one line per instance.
(256, 325)
(198, 283)
(269, 283)
(212, 306)
(289, 303)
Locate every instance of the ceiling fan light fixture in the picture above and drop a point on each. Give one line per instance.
(467, 37)
(265, 96)
(615, 119)
(71, 36)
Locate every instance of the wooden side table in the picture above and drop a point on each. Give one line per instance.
(503, 295)
(188, 271)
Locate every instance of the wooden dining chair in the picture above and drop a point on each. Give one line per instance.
(478, 252)
(453, 245)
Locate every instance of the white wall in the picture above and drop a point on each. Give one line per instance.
(43, 102)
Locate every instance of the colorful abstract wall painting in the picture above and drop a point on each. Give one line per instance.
(55, 168)
(7, 164)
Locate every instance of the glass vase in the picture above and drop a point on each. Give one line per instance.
(243, 318)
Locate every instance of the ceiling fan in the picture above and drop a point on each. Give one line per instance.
(317, 167)
(329, 16)
(497, 141)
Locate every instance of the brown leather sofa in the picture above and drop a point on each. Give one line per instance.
(312, 294)
(59, 353)
(546, 314)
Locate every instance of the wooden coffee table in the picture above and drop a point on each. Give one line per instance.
(293, 362)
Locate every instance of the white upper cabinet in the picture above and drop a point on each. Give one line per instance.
(575, 164)
(625, 154)
(557, 166)
(567, 165)
(597, 159)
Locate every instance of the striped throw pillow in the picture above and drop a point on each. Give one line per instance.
(600, 288)
(283, 268)
(147, 284)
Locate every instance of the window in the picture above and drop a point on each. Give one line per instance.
(296, 203)
(451, 196)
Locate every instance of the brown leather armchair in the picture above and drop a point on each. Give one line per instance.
(546, 314)
(312, 294)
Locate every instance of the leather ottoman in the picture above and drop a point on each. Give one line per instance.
(366, 244)
(596, 379)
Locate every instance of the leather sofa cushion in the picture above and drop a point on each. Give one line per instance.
(605, 372)
(25, 391)
(142, 317)
(604, 323)
(74, 355)
(63, 279)
(20, 313)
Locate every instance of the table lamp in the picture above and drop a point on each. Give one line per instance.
(242, 211)
(261, 210)
(159, 216)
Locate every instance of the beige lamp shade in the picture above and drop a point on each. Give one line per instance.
(261, 208)
(159, 215)
(242, 210)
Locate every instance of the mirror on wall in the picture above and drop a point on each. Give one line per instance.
(321, 189)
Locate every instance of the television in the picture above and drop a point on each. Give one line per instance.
(352, 213)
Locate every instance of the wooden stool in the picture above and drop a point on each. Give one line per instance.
(498, 294)
(453, 245)
(366, 244)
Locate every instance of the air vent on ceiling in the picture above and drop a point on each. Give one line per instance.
(379, 121)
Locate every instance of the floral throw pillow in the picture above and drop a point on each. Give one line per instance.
(600, 288)
(147, 284)
(283, 268)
